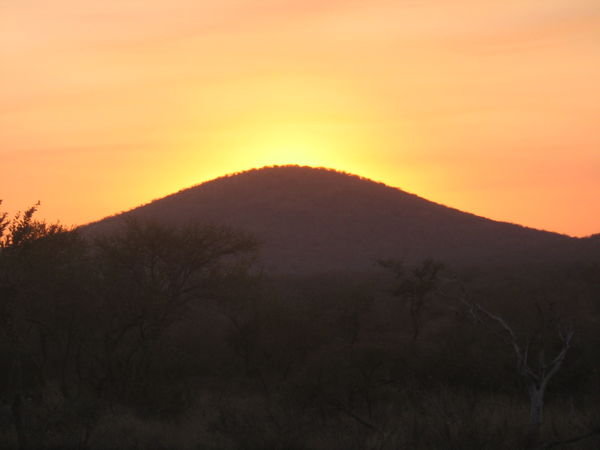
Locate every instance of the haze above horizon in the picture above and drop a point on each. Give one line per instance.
(487, 107)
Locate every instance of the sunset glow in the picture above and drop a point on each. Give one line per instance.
(487, 106)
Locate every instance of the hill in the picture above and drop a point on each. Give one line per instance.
(320, 220)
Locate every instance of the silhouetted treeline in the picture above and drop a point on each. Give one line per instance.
(156, 338)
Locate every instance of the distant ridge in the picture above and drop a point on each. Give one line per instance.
(321, 220)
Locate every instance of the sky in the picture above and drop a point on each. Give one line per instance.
(488, 106)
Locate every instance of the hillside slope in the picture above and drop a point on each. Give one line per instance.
(315, 220)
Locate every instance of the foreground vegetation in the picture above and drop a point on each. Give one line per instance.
(161, 338)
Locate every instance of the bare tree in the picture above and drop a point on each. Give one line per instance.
(150, 275)
(417, 286)
(536, 369)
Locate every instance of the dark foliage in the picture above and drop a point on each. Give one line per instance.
(170, 337)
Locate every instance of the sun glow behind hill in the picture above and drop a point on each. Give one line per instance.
(289, 143)
(490, 107)
(295, 123)
(292, 120)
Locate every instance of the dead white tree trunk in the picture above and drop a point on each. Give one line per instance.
(537, 375)
(536, 399)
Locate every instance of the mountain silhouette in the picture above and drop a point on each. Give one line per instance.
(320, 220)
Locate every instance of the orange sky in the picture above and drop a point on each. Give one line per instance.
(490, 106)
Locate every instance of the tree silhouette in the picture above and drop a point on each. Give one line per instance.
(37, 263)
(417, 287)
(532, 361)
